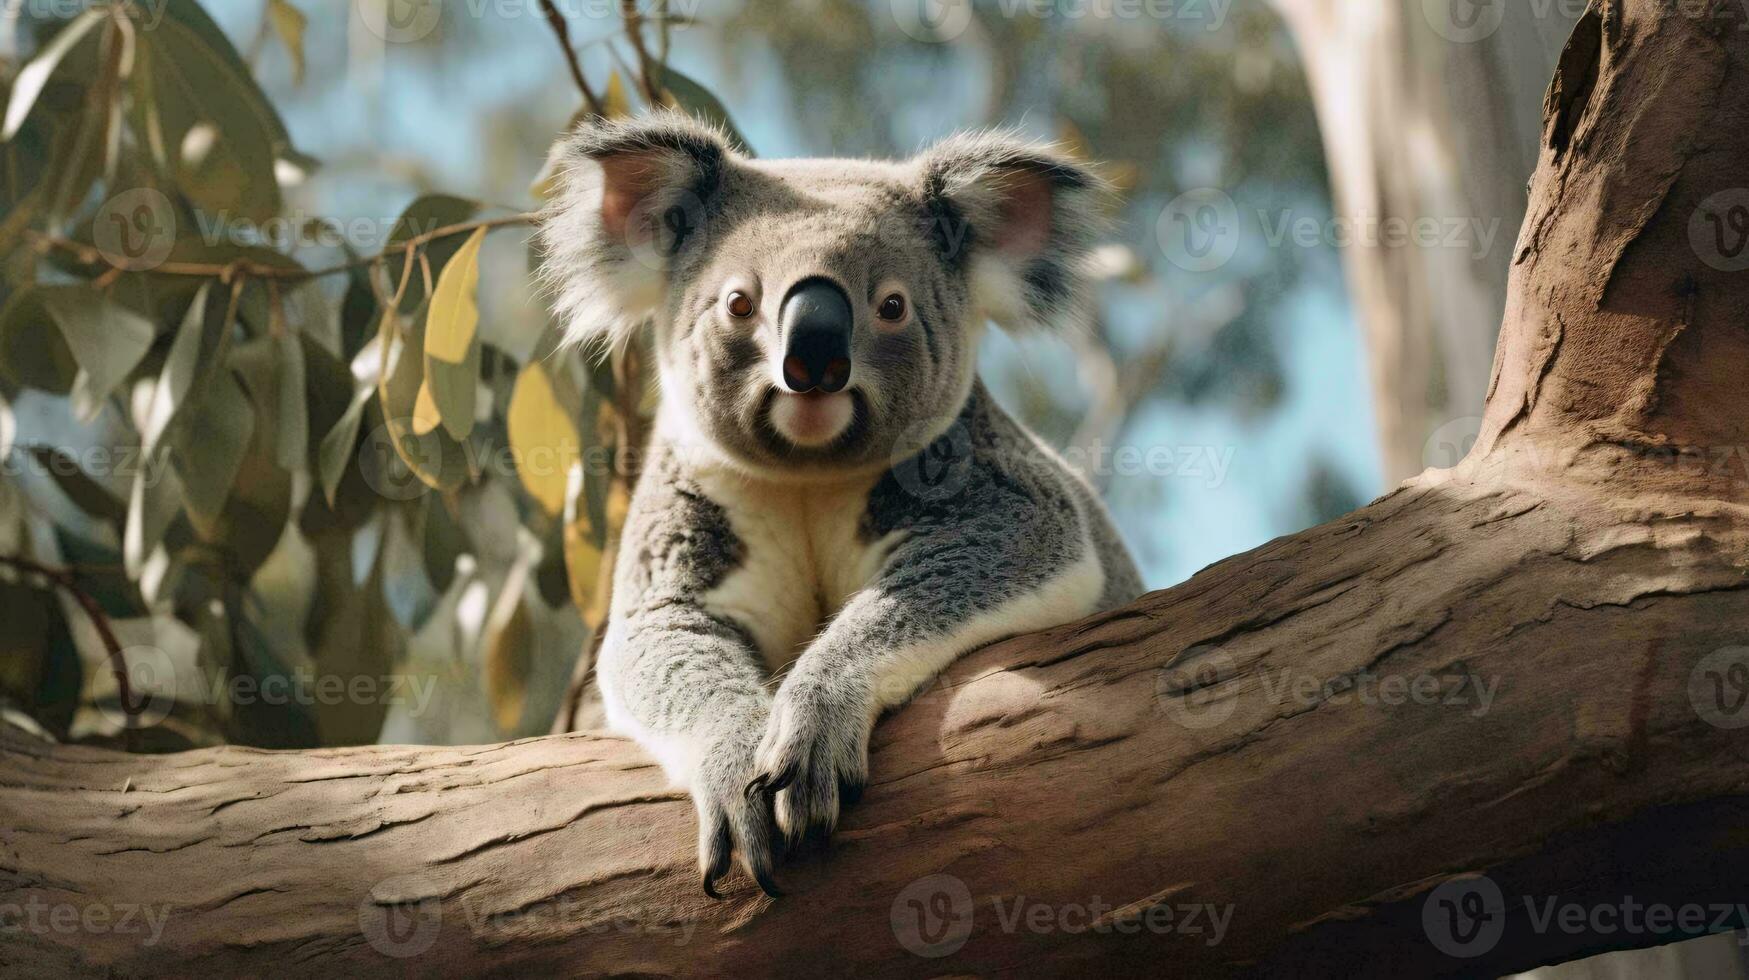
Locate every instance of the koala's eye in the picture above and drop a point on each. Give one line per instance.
(740, 305)
(892, 309)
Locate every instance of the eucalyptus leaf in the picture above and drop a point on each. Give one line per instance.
(193, 345)
(32, 352)
(424, 216)
(544, 440)
(33, 76)
(209, 450)
(452, 339)
(698, 100)
(108, 341)
(292, 440)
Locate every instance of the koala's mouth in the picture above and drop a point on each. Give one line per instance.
(812, 424)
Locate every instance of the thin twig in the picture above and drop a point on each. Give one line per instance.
(562, 31)
(66, 581)
(634, 21)
(88, 255)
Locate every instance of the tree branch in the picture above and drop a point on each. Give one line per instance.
(1510, 678)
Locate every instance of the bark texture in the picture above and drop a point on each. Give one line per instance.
(1232, 744)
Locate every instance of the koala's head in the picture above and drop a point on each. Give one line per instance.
(811, 314)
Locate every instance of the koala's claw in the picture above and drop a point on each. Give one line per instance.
(813, 761)
(734, 820)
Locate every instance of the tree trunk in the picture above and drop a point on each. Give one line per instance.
(1429, 111)
(1510, 683)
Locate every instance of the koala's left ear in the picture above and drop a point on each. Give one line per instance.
(1022, 217)
(631, 193)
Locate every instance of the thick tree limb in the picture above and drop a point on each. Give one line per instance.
(1239, 743)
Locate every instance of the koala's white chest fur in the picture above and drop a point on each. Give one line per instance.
(803, 557)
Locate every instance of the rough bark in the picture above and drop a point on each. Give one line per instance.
(1215, 744)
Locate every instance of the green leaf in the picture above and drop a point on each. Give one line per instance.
(292, 442)
(452, 339)
(33, 76)
(108, 341)
(425, 215)
(218, 130)
(696, 99)
(209, 450)
(436, 458)
(79, 487)
(336, 448)
(32, 353)
(289, 23)
(189, 353)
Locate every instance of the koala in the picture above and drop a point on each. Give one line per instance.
(832, 508)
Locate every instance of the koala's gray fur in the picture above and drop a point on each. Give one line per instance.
(857, 568)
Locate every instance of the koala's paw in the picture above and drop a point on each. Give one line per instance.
(814, 758)
(731, 821)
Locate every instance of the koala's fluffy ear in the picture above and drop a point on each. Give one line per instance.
(631, 192)
(1022, 217)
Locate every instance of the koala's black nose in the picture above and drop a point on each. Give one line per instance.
(816, 322)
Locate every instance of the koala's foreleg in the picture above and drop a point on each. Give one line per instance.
(689, 686)
(939, 595)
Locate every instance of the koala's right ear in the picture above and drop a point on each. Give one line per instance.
(631, 193)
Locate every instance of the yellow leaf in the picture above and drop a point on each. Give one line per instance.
(452, 339)
(289, 22)
(507, 639)
(543, 438)
(425, 417)
(614, 103)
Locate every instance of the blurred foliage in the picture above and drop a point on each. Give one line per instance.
(271, 471)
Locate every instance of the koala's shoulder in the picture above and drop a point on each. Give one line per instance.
(683, 538)
(985, 470)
